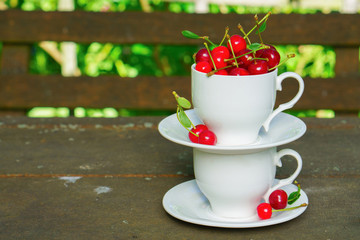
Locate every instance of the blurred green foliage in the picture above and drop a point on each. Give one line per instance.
(161, 60)
(166, 60)
(293, 6)
(42, 63)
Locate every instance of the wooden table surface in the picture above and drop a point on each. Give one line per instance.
(105, 179)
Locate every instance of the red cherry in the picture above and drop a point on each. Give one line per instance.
(238, 43)
(197, 130)
(207, 137)
(246, 59)
(272, 56)
(258, 67)
(259, 53)
(202, 56)
(239, 72)
(278, 199)
(264, 211)
(219, 61)
(219, 54)
(271, 46)
(222, 72)
(204, 67)
(232, 62)
(221, 51)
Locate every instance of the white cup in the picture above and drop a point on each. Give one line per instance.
(235, 107)
(235, 184)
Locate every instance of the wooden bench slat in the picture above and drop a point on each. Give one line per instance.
(347, 60)
(14, 59)
(166, 27)
(26, 91)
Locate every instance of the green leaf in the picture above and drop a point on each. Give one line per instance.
(188, 34)
(293, 197)
(261, 28)
(254, 46)
(183, 118)
(183, 102)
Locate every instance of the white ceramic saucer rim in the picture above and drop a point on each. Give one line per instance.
(204, 220)
(257, 145)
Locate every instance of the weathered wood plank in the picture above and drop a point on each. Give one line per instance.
(134, 27)
(93, 147)
(13, 112)
(340, 93)
(51, 208)
(26, 91)
(129, 158)
(14, 59)
(104, 91)
(347, 61)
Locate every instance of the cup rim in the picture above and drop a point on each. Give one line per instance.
(230, 76)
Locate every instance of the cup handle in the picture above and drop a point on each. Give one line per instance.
(289, 104)
(289, 180)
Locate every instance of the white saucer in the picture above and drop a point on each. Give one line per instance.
(284, 128)
(186, 202)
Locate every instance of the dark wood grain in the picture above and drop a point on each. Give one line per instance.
(347, 61)
(166, 27)
(26, 91)
(103, 91)
(14, 59)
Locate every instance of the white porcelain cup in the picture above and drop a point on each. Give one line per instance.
(235, 184)
(236, 107)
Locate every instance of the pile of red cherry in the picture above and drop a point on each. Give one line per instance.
(236, 59)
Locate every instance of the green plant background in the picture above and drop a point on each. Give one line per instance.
(161, 60)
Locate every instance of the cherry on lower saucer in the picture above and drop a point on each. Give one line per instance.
(186, 202)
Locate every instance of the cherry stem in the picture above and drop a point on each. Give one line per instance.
(214, 71)
(226, 33)
(255, 58)
(291, 208)
(212, 60)
(257, 25)
(177, 116)
(232, 51)
(252, 51)
(207, 39)
(243, 32)
(194, 57)
(291, 55)
(263, 19)
(178, 109)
